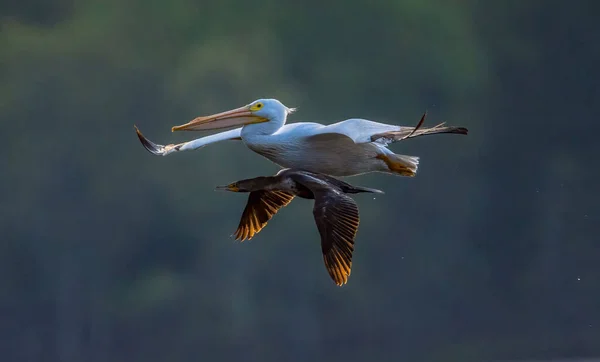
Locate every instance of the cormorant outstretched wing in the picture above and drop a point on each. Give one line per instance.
(337, 219)
(260, 208)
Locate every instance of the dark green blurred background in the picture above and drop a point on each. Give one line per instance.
(111, 254)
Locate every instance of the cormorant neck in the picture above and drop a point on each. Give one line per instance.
(255, 184)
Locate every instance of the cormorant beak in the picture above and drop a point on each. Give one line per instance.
(230, 187)
(235, 117)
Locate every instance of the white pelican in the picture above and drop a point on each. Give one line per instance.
(350, 147)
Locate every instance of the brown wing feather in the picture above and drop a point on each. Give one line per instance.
(337, 219)
(260, 208)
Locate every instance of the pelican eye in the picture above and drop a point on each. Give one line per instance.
(256, 106)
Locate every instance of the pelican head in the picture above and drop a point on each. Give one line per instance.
(259, 111)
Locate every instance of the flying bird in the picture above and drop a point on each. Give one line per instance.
(346, 148)
(335, 213)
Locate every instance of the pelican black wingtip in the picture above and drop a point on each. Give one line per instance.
(148, 145)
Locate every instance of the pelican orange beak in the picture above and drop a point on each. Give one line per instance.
(235, 117)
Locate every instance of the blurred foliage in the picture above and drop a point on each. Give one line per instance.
(109, 253)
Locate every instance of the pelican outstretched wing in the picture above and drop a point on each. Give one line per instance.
(163, 150)
(412, 132)
(363, 131)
